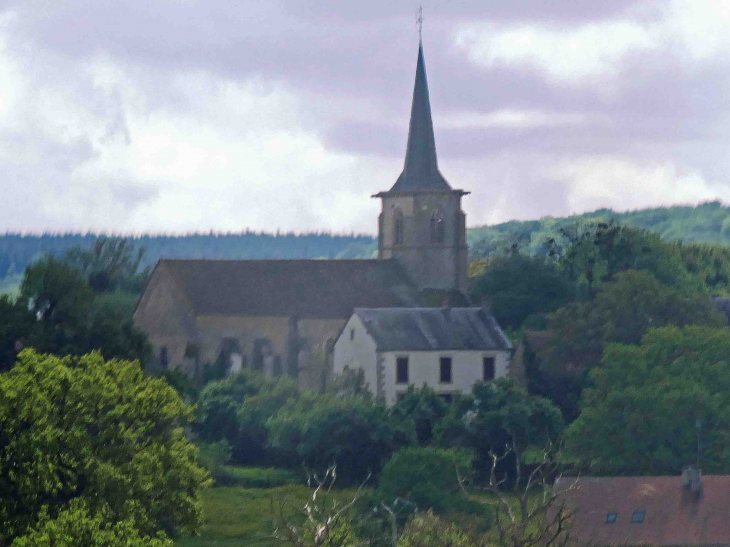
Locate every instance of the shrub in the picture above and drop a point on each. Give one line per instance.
(425, 408)
(429, 530)
(427, 476)
(356, 434)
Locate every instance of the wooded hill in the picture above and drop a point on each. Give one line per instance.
(707, 222)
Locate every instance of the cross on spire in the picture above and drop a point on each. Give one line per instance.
(419, 22)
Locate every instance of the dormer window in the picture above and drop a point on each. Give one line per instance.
(611, 518)
(438, 231)
(638, 516)
(398, 230)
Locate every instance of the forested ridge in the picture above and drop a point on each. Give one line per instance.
(707, 222)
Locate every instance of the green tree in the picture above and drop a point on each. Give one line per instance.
(501, 414)
(77, 526)
(519, 286)
(17, 327)
(73, 320)
(623, 311)
(653, 403)
(423, 406)
(356, 434)
(98, 432)
(427, 476)
(112, 263)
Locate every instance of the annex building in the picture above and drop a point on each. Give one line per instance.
(284, 316)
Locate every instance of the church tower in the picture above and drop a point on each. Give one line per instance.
(421, 223)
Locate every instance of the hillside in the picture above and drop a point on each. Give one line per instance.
(707, 222)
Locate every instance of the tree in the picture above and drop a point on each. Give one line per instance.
(426, 476)
(423, 406)
(111, 264)
(356, 434)
(73, 320)
(518, 287)
(85, 434)
(501, 414)
(623, 311)
(658, 406)
(17, 326)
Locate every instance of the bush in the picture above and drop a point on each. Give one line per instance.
(429, 530)
(219, 402)
(250, 445)
(425, 408)
(356, 434)
(428, 477)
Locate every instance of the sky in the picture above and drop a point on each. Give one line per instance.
(198, 115)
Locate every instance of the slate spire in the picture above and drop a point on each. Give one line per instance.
(420, 172)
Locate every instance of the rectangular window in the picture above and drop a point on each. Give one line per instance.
(488, 369)
(445, 372)
(447, 397)
(401, 370)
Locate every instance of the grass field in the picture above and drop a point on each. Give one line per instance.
(237, 516)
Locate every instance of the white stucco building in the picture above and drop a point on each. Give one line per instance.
(447, 349)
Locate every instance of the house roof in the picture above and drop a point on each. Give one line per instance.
(673, 515)
(420, 172)
(424, 329)
(302, 288)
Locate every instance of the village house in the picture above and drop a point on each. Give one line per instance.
(283, 316)
(447, 349)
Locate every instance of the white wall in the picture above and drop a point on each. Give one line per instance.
(356, 349)
(359, 351)
(424, 368)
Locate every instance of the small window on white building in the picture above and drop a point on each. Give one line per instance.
(401, 370)
(488, 369)
(352, 333)
(164, 359)
(445, 370)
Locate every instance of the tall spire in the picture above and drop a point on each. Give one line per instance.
(420, 172)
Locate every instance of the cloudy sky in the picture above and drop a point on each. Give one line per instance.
(161, 115)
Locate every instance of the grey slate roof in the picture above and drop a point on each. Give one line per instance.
(304, 288)
(424, 329)
(420, 172)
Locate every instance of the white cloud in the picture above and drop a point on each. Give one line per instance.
(620, 183)
(514, 119)
(564, 53)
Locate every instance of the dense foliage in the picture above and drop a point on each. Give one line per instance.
(659, 405)
(59, 312)
(427, 476)
(498, 415)
(356, 434)
(95, 446)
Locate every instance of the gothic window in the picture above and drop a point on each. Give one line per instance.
(398, 232)
(437, 227)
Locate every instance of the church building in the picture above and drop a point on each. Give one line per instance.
(283, 316)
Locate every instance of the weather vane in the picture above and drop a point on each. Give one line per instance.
(419, 21)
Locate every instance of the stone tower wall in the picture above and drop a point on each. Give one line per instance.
(435, 265)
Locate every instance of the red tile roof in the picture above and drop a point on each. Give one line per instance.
(674, 515)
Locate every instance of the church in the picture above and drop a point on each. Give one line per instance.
(284, 316)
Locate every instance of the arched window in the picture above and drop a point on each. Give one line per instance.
(437, 227)
(398, 231)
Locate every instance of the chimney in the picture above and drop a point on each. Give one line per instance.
(692, 478)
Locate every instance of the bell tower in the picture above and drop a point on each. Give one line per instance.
(421, 223)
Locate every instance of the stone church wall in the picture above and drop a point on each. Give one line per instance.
(165, 315)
